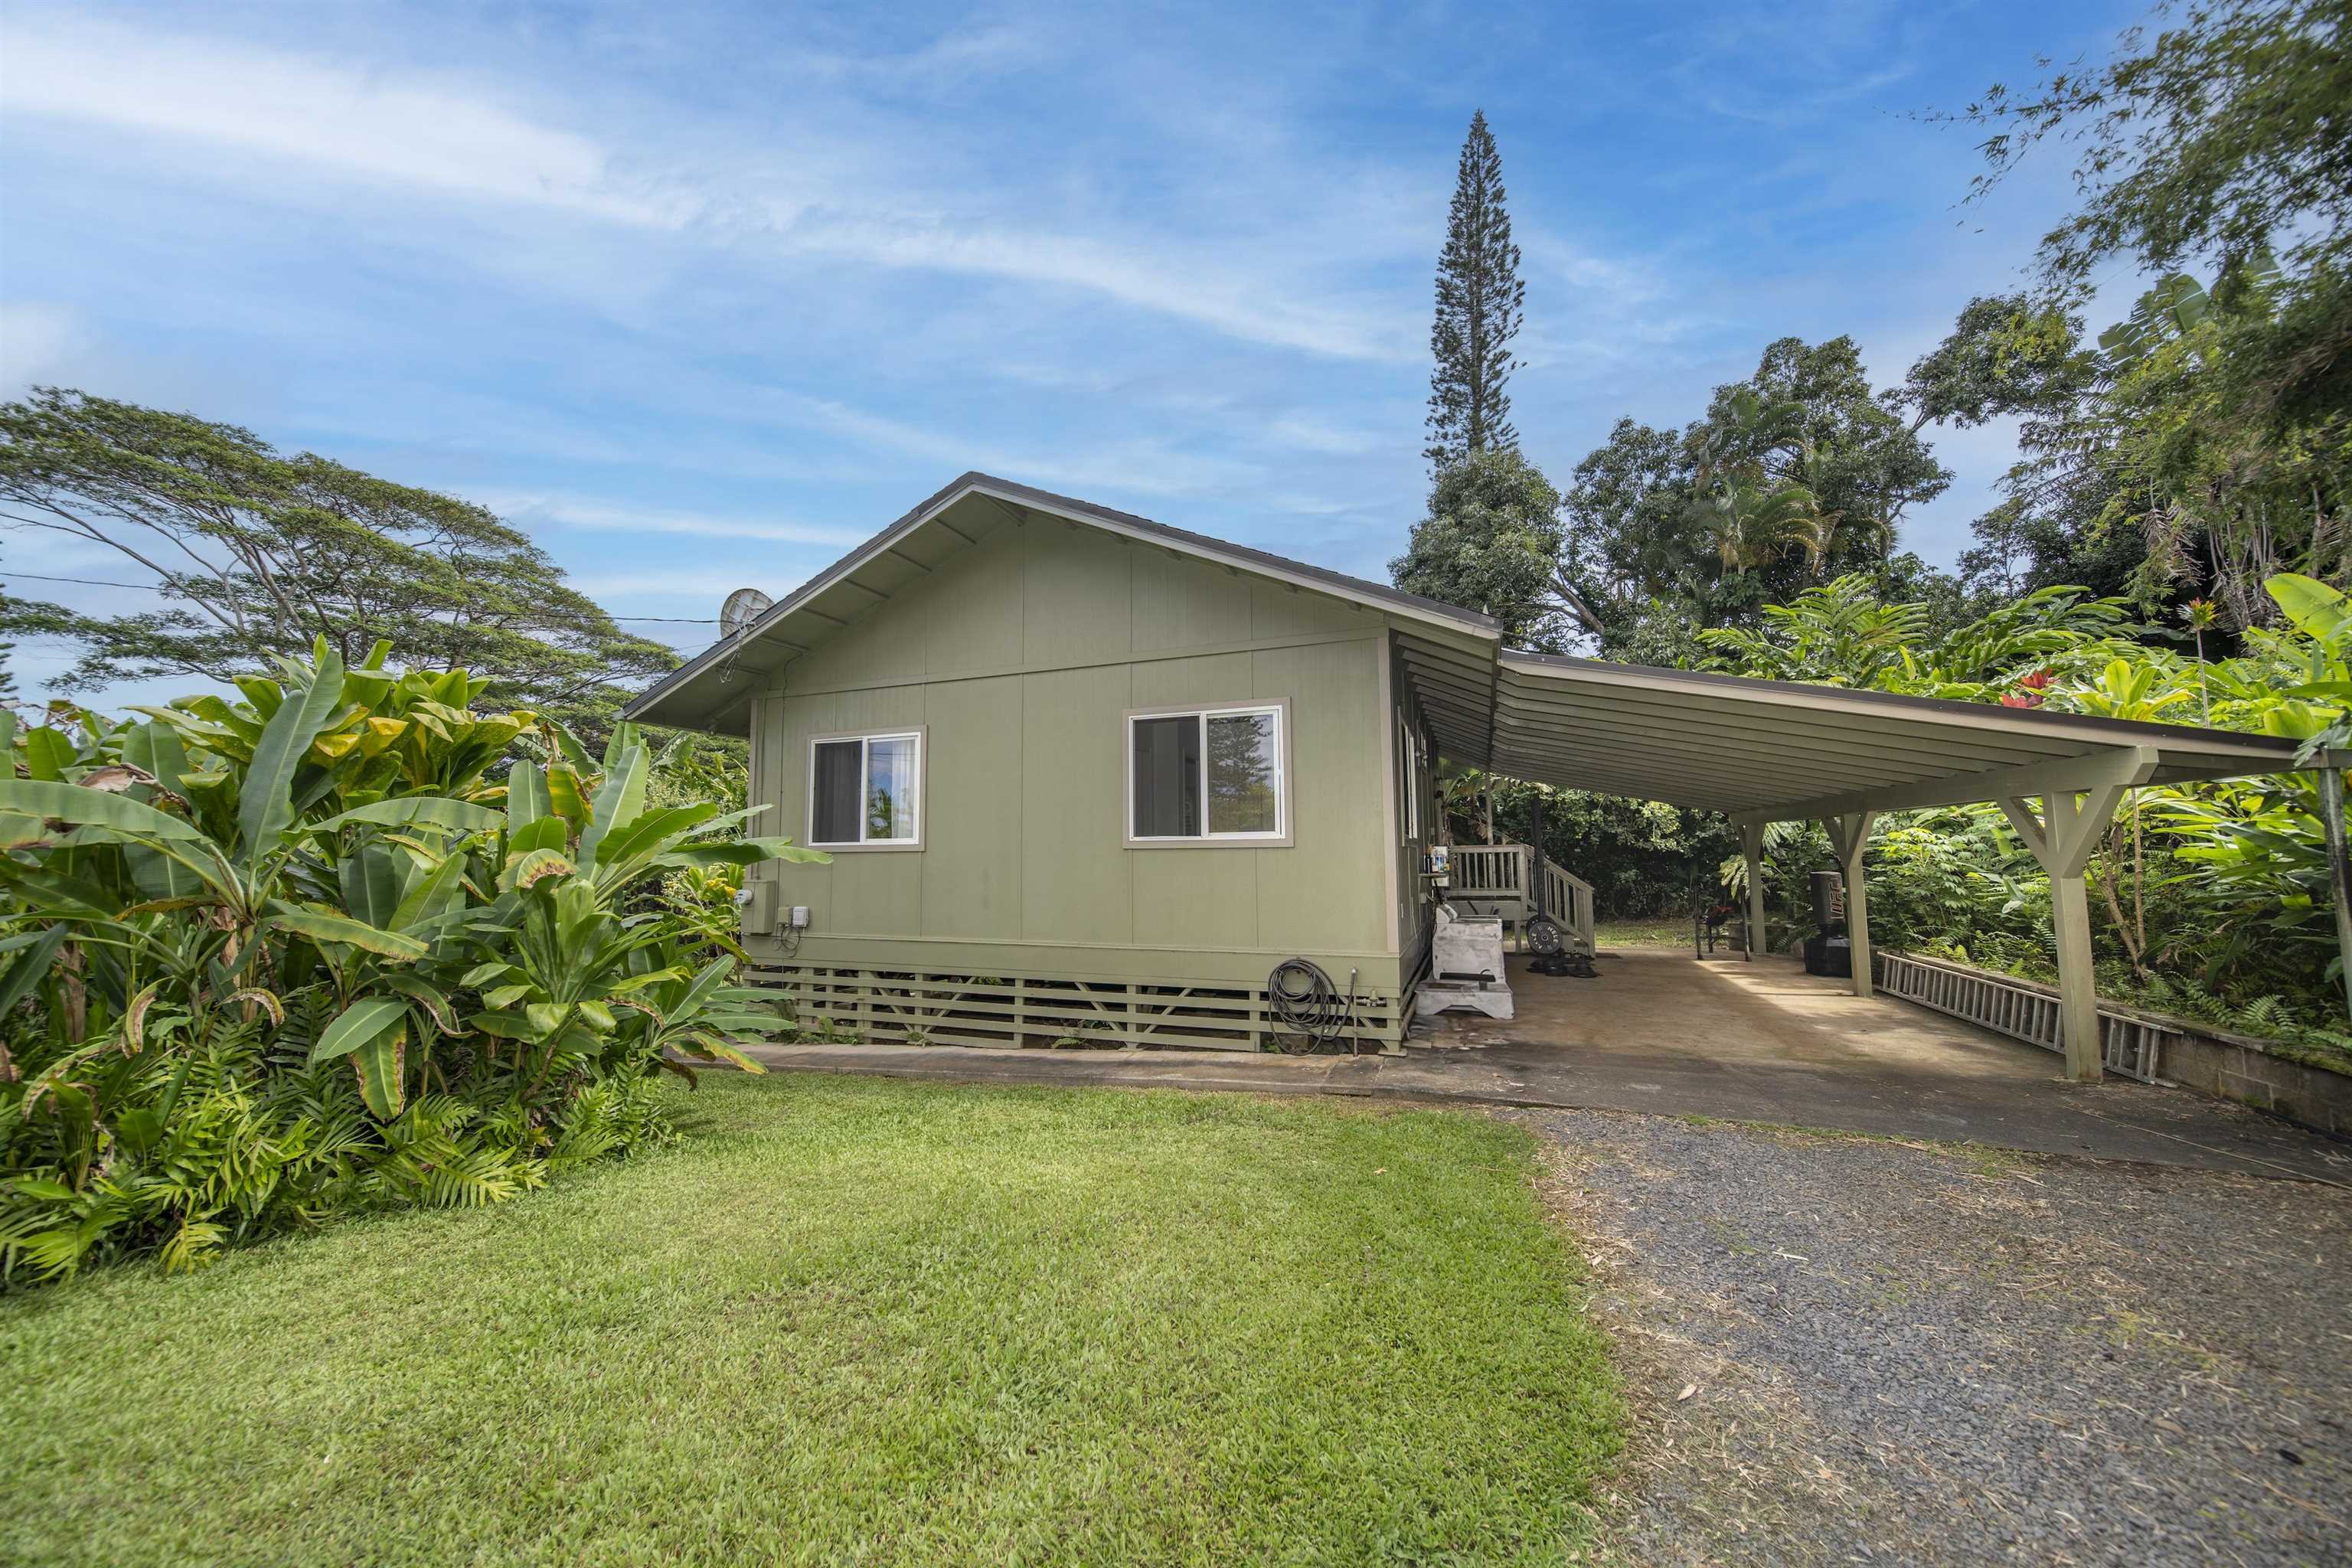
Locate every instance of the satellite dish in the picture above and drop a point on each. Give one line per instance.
(743, 607)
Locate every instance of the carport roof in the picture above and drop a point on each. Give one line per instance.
(1772, 750)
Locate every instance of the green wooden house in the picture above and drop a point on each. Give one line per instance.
(1082, 775)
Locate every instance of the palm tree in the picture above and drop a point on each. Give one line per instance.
(1747, 524)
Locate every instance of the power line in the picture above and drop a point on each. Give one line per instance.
(85, 582)
(152, 589)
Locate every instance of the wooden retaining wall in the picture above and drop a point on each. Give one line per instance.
(2154, 1047)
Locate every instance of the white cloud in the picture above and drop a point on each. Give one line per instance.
(441, 135)
(36, 341)
(1107, 469)
(422, 133)
(584, 511)
(1309, 434)
(1238, 306)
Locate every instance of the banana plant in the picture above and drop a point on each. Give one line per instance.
(573, 964)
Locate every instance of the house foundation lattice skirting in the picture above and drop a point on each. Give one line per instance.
(1045, 1011)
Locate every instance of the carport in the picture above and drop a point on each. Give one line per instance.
(1763, 750)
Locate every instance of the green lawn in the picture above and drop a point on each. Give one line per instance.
(1664, 930)
(851, 1320)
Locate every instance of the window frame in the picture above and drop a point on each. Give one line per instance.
(920, 735)
(1284, 836)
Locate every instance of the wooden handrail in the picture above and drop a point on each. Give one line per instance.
(1497, 874)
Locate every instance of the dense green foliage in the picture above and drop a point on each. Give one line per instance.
(1798, 474)
(1480, 298)
(850, 1320)
(257, 554)
(2206, 442)
(1490, 543)
(272, 960)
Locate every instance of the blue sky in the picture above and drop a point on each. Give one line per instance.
(697, 295)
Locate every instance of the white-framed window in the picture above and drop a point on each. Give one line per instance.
(1210, 774)
(865, 791)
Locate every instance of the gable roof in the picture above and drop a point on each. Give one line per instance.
(709, 691)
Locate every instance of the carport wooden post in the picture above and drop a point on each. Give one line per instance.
(1848, 835)
(1751, 846)
(2061, 838)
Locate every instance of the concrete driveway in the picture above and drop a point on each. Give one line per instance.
(1662, 1032)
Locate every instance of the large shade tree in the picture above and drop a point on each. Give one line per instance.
(1798, 474)
(2206, 441)
(256, 553)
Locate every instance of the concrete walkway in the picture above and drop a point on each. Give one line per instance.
(1663, 1032)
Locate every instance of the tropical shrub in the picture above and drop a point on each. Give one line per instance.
(274, 960)
(2209, 898)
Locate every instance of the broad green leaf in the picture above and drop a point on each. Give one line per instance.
(532, 868)
(507, 1025)
(265, 806)
(563, 796)
(363, 1021)
(29, 965)
(639, 982)
(574, 752)
(430, 895)
(715, 975)
(743, 852)
(50, 889)
(488, 970)
(506, 996)
(544, 833)
(619, 801)
(91, 808)
(432, 998)
(381, 1064)
(266, 695)
(2316, 609)
(48, 753)
(422, 811)
(319, 927)
(653, 828)
(372, 881)
(156, 747)
(712, 1046)
(526, 795)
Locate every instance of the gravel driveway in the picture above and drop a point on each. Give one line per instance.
(1913, 1353)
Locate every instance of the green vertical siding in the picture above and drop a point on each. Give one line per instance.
(1021, 657)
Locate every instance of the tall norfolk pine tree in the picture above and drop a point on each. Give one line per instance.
(1478, 297)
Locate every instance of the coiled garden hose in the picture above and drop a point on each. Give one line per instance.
(1308, 1012)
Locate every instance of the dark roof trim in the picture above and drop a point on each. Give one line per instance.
(1241, 556)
